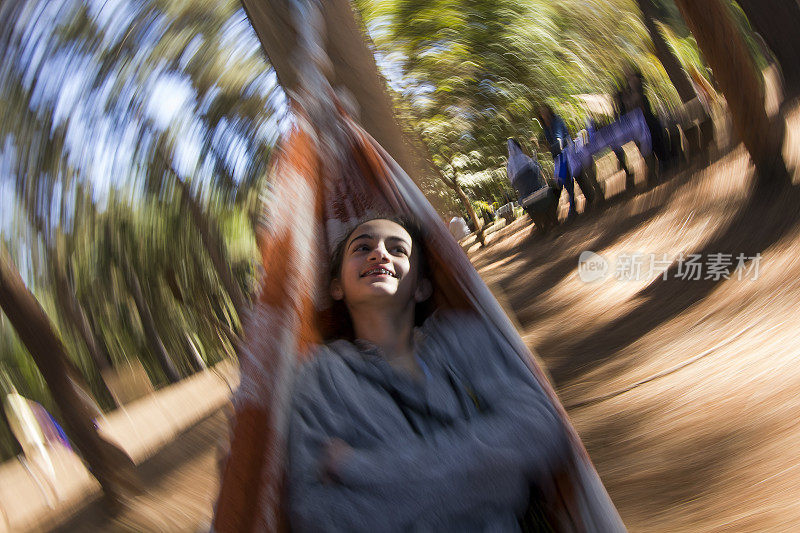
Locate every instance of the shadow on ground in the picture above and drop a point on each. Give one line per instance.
(759, 223)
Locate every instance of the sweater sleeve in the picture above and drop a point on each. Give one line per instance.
(327, 505)
(488, 461)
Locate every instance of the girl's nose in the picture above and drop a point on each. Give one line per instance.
(379, 253)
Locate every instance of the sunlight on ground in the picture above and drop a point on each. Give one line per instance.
(709, 446)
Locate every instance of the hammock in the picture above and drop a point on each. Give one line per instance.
(327, 173)
(318, 190)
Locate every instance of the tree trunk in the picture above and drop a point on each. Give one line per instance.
(68, 303)
(353, 67)
(212, 242)
(112, 468)
(194, 356)
(453, 184)
(778, 23)
(664, 54)
(73, 311)
(149, 325)
(725, 51)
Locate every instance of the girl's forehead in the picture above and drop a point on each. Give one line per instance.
(380, 229)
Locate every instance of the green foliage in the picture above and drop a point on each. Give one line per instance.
(472, 73)
(135, 138)
(756, 50)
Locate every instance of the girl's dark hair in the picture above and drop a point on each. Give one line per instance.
(338, 324)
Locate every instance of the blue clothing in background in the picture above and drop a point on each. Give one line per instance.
(561, 170)
(556, 132)
(557, 136)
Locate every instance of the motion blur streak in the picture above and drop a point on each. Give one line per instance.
(135, 137)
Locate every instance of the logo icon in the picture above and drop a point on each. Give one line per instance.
(592, 267)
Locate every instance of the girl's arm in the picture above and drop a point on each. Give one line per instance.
(490, 460)
(316, 500)
(487, 462)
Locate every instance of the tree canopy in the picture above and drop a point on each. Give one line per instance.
(135, 137)
(472, 73)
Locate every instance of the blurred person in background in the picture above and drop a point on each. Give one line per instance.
(637, 99)
(487, 212)
(523, 171)
(525, 175)
(555, 130)
(401, 428)
(458, 228)
(558, 138)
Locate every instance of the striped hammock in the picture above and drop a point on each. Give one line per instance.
(324, 176)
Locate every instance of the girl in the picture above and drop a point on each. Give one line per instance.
(438, 428)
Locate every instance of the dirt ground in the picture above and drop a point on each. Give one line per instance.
(685, 392)
(710, 441)
(181, 486)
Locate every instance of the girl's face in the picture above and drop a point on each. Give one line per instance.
(379, 264)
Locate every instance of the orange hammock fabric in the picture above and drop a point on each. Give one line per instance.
(325, 176)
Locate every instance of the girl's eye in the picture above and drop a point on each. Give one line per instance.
(362, 248)
(400, 250)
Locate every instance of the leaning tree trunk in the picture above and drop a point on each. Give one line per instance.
(778, 23)
(453, 184)
(212, 242)
(149, 325)
(73, 310)
(671, 65)
(725, 52)
(110, 465)
(352, 68)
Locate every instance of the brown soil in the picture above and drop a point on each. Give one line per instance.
(182, 484)
(712, 445)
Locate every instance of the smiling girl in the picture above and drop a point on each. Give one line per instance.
(397, 428)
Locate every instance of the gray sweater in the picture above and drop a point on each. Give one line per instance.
(456, 451)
